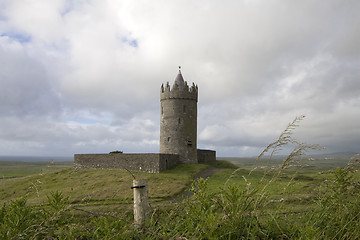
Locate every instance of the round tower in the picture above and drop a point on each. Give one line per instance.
(178, 122)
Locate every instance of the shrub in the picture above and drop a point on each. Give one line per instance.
(114, 152)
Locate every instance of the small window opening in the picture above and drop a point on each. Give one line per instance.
(162, 110)
(184, 108)
(169, 139)
(189, 143)
(179, 120)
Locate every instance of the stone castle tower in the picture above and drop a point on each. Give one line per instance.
(178, 136)
(178, 123)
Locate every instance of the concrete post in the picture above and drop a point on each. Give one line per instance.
(141, 203)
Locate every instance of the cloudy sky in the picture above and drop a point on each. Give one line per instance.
(84, 76)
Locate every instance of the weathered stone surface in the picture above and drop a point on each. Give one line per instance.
(178, 123)
(141, 202)
(205, 156)
(144, 162)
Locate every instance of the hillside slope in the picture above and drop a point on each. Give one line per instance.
(99, 186)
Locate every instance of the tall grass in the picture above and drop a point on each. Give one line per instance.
(242, 212)
(233, 211)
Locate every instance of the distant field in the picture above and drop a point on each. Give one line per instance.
(250, 163)
(11, 169)
(34, 165)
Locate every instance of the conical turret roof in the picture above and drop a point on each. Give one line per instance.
(179, 80)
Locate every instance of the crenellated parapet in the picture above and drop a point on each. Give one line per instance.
(181, 91)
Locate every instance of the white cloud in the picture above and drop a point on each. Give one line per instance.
(86, 74)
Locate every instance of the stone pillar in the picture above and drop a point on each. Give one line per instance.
(141, 204)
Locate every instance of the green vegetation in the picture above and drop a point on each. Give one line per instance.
(307, 163)
(286, 199)
(232, 204)
(11, 169)
(117, 151)
(97, 186)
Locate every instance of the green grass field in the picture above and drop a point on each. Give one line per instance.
(91, 186)
(254, 200)
(11, 169)
(295, 187)
(322, 163)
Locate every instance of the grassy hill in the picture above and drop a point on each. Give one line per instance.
(93, 186)
(250, 202)
(105, 187)
(109, 189)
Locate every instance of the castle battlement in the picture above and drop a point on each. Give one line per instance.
(180, 91)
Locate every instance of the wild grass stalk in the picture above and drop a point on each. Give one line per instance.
(285, 139)
(233, 212)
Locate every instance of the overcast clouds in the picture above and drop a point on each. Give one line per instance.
(84, 76)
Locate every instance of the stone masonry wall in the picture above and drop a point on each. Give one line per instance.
(147, 162)
(178, 121)
(205, 156)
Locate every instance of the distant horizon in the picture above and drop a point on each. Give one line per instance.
(44, 158)
(24, 158)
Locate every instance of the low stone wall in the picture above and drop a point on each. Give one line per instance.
(205, 156)
(144, 162)
(167, 161)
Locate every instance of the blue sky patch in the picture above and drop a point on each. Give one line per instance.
(86, 118)
(131, 42)
(17, 37)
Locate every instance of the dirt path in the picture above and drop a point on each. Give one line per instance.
(208, 173)
(204, 174)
